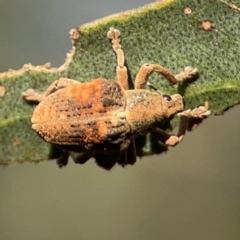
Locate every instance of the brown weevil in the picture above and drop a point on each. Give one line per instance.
(103, 116)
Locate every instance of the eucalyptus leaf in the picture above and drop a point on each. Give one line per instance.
(162, 32)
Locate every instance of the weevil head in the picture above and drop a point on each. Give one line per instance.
(172, 104)
(146, 109)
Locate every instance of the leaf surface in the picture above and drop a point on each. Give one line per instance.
(157, 33)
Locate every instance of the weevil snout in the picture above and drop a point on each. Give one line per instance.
(175, 105)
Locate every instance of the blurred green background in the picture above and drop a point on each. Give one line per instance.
(192, 192)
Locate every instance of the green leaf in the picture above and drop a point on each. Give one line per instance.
(157, 33)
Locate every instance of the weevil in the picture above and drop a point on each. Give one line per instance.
(103, 116)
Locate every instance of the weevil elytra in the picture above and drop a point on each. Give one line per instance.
(103, 116)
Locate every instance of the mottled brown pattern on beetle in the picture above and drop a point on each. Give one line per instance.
(68, 117)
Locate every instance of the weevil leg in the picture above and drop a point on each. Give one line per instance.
(63, 159)
(32, 95)
(170, 139)
(193, 117)
(147, 69)
(82, 157)
(128, 156)
(164, 137)
(121, 70)
(108, 160)
(199, 112)
(131, 152)
(122, 158)
(122, 77)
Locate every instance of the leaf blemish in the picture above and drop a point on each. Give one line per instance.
(207, 25)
